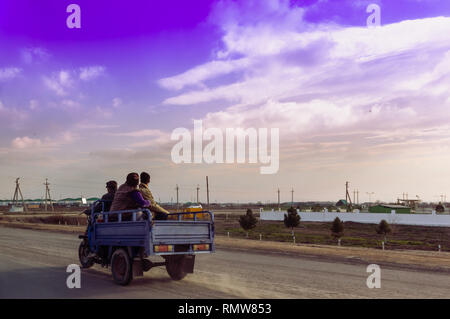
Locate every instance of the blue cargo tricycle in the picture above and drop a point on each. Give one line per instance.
(124, 240)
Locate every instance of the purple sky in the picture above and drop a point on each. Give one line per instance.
(82, 106)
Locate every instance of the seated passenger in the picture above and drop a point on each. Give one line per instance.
(128, 197)
(160, 213)
(106, 199)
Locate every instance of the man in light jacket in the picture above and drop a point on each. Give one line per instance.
(160, 213)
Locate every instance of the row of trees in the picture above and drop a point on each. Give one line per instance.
(292, 220)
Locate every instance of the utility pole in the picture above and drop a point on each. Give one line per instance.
(278, 198)
(357, 196)
(177, 188)
(47, 195)
(198, 188)
(347, 195)
(292, 196)
(370, 196)
(207, 191)
(18, 192)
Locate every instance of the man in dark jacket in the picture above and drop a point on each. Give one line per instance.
(107, 199)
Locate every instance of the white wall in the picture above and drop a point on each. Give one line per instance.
(368, 218)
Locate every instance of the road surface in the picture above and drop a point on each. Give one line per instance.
(33, 265)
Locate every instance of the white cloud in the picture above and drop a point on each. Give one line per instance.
(12, 116)
(91, 72)
(70, 104)
(116, 102)
(33, 54)
(25, 142)
(9, 73)
(338, 49)
(45, 144)
(199, 74)
(34, 104)
(64, 80)
(59, 82)
(141, 133)
(148, 137)
(321, 82)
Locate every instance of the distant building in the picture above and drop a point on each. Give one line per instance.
(341, 203)
(387, 209)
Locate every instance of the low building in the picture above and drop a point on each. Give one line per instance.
(387, 209)
(341, 203)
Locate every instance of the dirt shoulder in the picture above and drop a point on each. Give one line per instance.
(411, 259)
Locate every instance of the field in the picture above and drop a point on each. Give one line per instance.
(355, 234)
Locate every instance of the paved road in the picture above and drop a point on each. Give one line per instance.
(33, 265)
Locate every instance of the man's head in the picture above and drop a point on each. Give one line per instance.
(145, 177)
(132, 179)
(111, 186)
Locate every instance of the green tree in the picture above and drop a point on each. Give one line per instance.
(292, 219)
(248, 221)
(337, 228)
(440, 208)
(383, 228)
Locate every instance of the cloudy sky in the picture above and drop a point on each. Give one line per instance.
(352, 103)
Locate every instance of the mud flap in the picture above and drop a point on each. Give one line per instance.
(188, 263)
(137, 268)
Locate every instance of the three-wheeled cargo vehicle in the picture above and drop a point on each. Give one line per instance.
(124, 240)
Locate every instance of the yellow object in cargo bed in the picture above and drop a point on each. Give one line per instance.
(192, 209)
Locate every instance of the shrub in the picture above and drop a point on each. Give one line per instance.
(248, 221)
(337, 228)
(383, 228)
(292, 219)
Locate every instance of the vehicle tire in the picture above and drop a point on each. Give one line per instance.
(121, 267)
(174, 267)
(83, 255)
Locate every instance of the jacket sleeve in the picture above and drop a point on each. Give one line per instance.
(137, 197)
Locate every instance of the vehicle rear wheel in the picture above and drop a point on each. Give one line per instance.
(121, 267)
(174, 267)
(83, 255)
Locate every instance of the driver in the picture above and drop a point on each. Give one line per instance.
(106, 199)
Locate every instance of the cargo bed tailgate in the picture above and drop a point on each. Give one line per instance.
(181, 232)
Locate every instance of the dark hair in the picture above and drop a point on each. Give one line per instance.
(145, 177)
(112, 185)
(132, 179)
